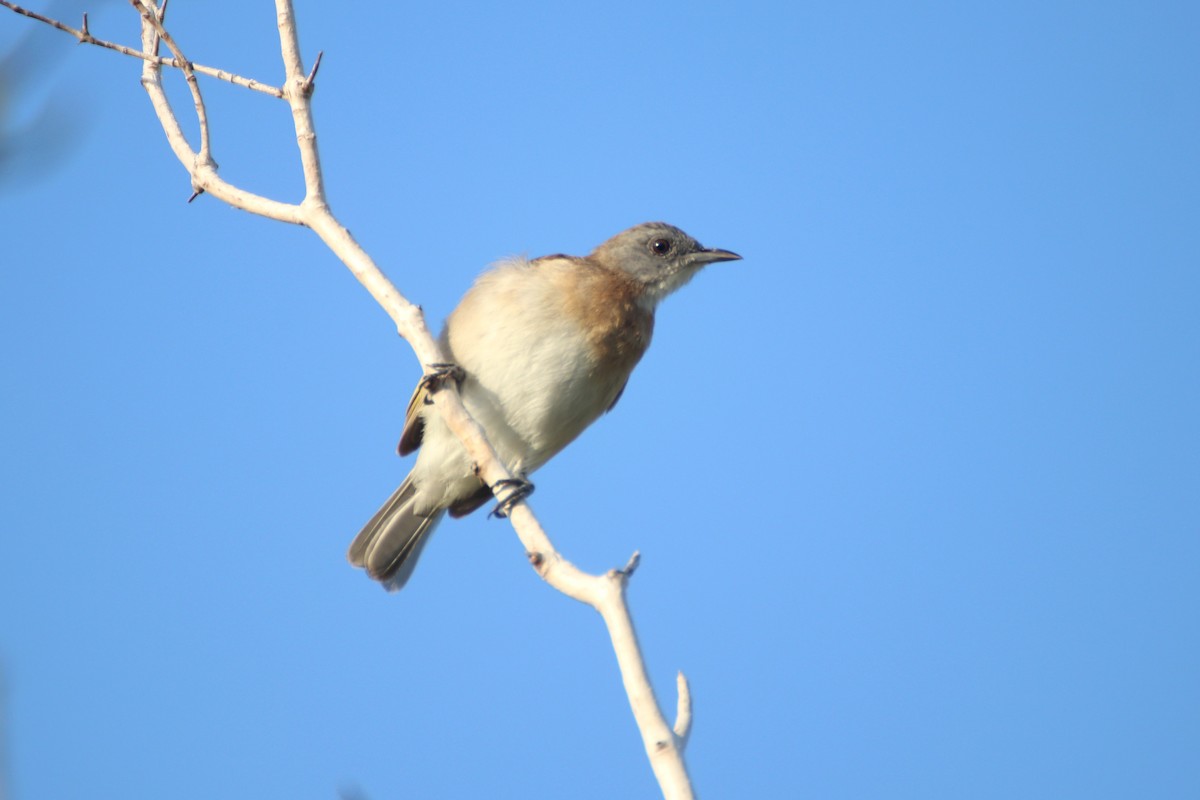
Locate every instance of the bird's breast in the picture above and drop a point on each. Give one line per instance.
(547, 347)
(604, 305)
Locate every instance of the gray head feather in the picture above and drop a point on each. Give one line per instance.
(658, 255)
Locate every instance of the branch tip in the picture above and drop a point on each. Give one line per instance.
(631, 565)
(683, 710)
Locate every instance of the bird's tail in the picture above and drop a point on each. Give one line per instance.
(388, 545)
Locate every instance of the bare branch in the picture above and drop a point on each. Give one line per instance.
(52, 22)
(203, 172)
(605, 593)
(85, 37)
(662, 747)
(151, 14)
(298, 90)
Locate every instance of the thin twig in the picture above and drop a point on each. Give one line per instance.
(161, 14)
(85, 37)
(203, 174)
(307, 86)
(152, 15)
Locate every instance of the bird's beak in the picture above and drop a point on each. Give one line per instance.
(713, 255)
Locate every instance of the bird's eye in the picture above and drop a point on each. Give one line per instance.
(660, 247)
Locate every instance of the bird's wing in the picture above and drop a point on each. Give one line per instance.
(414, 422)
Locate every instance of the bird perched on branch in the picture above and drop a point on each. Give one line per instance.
(540, 349)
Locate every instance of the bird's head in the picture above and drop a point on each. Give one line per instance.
(659, 256)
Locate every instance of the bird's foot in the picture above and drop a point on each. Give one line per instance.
(519, 489)
(439, 374)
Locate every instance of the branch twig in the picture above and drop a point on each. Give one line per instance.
(85, 37)
(154, 17)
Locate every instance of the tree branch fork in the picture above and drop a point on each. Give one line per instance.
(605, 592)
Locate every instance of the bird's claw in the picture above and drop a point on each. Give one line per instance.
(437, 377)
(520, 489)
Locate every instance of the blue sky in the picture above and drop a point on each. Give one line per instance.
(916, 484)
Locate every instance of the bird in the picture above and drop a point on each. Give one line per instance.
(540, 349)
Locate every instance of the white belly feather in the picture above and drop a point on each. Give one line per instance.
(533, 380)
